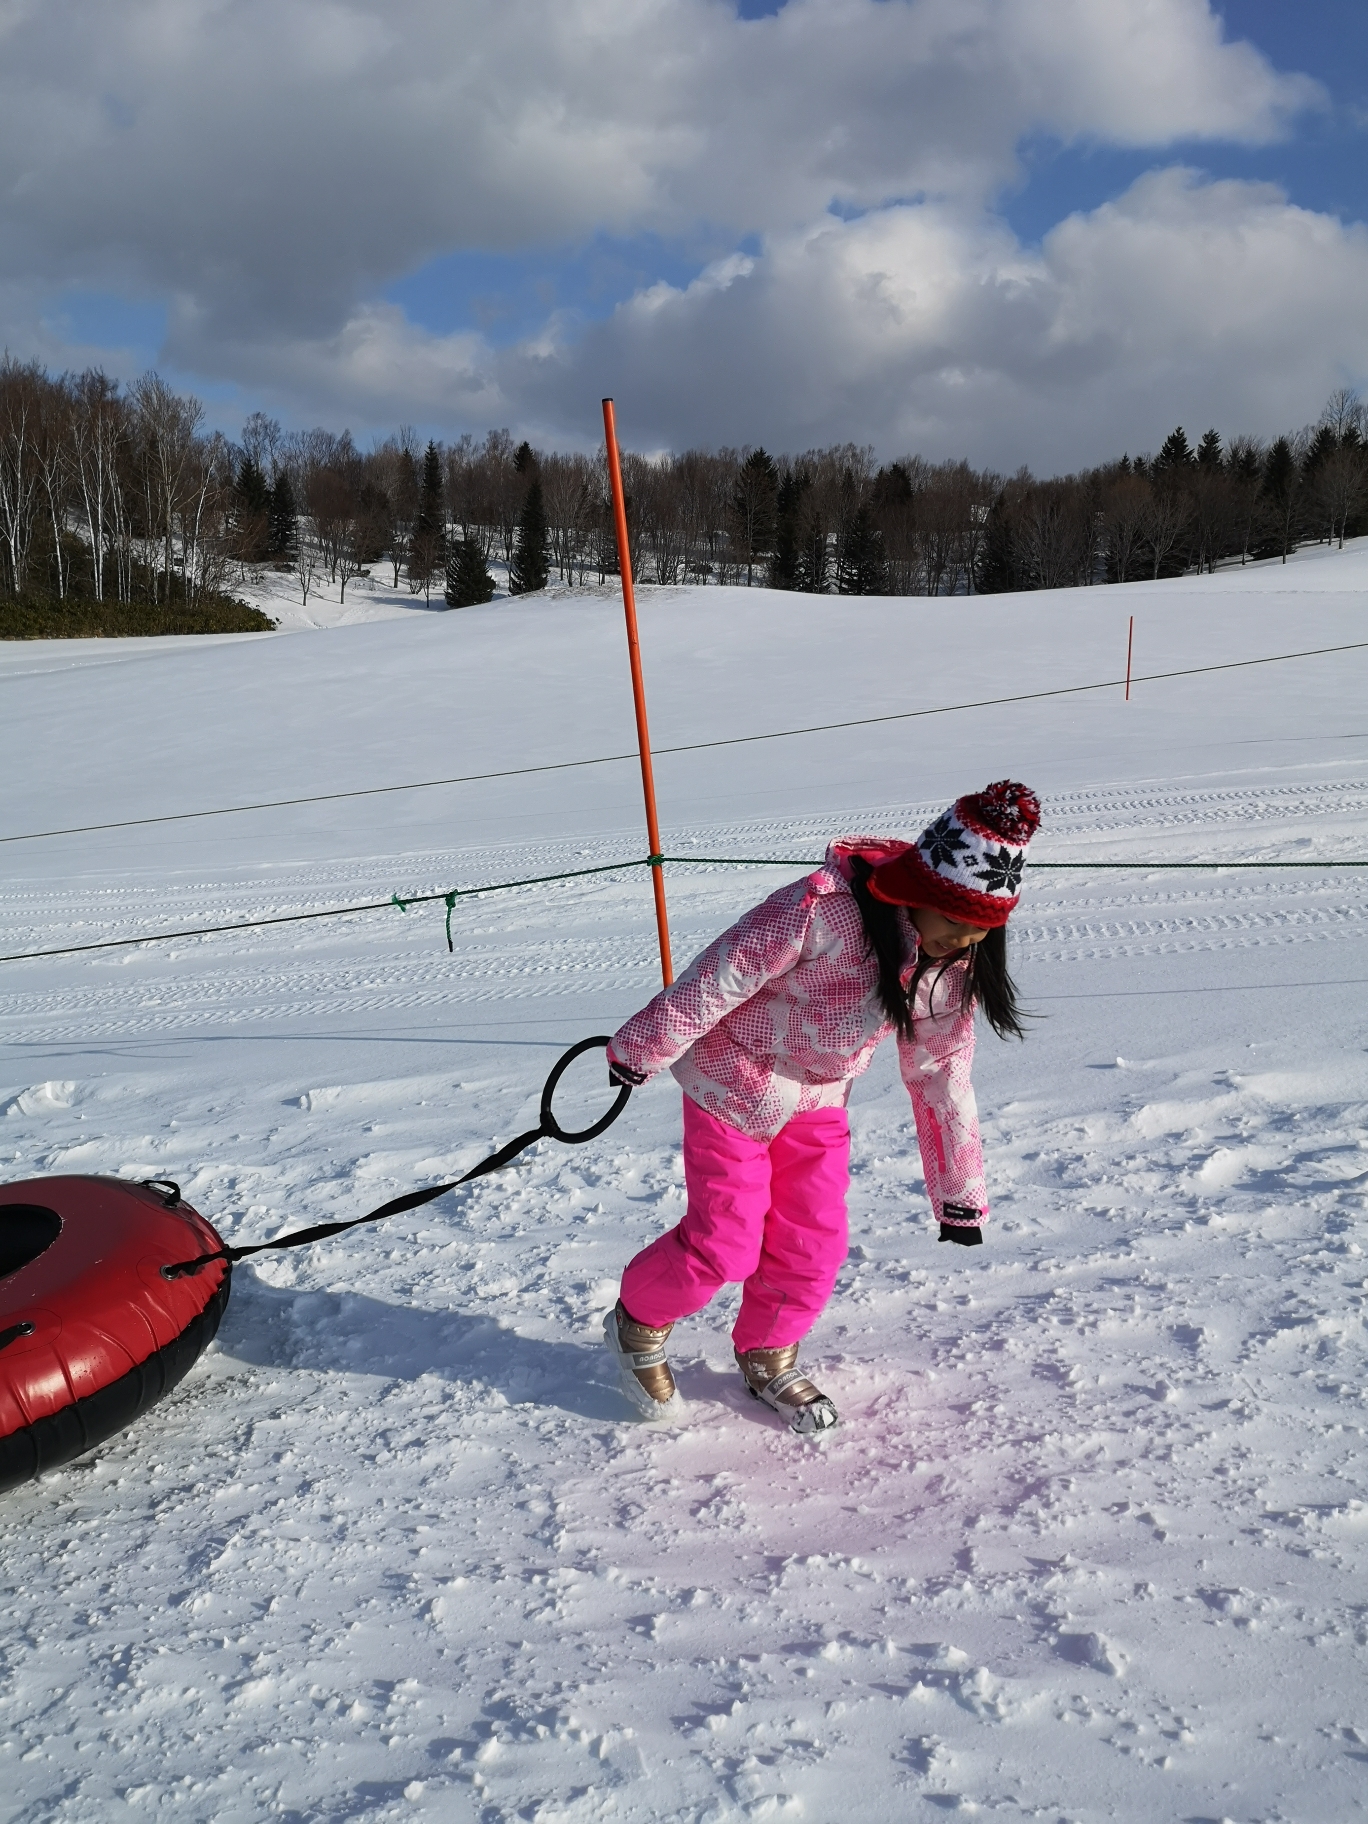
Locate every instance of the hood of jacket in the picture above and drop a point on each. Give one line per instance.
(873, 849)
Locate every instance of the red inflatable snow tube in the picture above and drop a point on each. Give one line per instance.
(91, 1334)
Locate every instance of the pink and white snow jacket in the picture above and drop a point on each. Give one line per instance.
(781, 1013)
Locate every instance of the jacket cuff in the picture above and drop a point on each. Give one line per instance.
(962, 1215)
(634, 1076)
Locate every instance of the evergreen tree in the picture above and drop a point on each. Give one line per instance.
(1280, 498)
(814, 554)
(1000, 566)
(863, 568)
(427, 545)
(1323, 445)
(430, 520)
(1175, 453)
(1215, 503)
(1245, 464)
(892, 486)
(530, 568)
(786, 564)
(468, 581)
(253, 489)
(753, 506)
(403, 509)
(284, 516)
(374, 527)
(252, 515)
(893, 505)
(524, 458)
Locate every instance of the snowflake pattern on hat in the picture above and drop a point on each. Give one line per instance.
(1003, 873)
(941, 842)
(968, 863)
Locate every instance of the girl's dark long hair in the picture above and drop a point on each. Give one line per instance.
(986, 980)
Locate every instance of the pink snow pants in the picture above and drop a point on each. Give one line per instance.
(771, 1214)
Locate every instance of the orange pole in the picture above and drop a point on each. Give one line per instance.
(1130, 641)
(638, 687)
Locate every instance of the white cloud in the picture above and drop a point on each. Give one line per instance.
(1146, 75)
(268, 166)
(277, 157)
(916, 329)
(1219, 303)
(377, 370)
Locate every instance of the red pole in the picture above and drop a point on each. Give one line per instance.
(1130, 641)
(638, 687)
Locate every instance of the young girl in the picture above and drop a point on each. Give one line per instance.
(766, 1031)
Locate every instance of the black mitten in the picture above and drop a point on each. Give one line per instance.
(963, 1233)
(962, 1224)
(622, 1076)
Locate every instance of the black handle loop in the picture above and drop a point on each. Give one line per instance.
(165, 1188)
(549, 1129)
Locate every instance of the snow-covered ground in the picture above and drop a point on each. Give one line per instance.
(1090, 1540)
(371, 596)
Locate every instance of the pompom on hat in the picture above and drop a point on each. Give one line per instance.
(968, 863)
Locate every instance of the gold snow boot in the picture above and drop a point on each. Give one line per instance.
(773, 1376)
(643, 1372)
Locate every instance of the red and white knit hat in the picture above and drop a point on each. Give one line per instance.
(968, 863)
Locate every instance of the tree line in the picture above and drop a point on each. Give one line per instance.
(121, 494)
(107, 493)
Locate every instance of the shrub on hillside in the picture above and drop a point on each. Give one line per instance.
(30, 617)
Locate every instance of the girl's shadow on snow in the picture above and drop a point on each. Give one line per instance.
(349, 1333)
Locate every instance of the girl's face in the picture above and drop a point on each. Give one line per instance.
(941, 936)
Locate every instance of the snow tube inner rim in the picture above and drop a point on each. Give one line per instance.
(26, 1231)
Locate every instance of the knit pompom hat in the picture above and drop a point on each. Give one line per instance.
(968, 863)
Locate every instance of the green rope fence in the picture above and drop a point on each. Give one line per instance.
(451, 895)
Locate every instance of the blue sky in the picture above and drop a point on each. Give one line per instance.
(507, 296)
(1323, 166)
(794, 224)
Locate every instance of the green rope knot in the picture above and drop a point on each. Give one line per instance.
(655, 861)
(451, 899)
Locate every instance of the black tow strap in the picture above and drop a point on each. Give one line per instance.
(548, 1128)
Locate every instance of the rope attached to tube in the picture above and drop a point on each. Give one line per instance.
(547, 1128)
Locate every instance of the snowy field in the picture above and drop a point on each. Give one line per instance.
(1090, 1540)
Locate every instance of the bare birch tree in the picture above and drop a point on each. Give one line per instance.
(19, 477)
